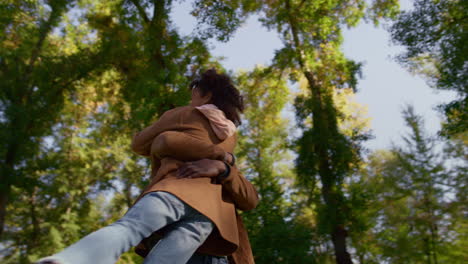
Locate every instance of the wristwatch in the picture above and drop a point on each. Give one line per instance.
(233, 159)
(225, 174)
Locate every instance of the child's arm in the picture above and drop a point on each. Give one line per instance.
(180, 146)
(141, 141)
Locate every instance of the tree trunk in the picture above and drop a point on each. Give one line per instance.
(6, 171)
(4, 195)
(329, 193)
(339, 241)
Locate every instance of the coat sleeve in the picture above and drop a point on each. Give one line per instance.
(180, 146)
(243, 192)
(141, 141)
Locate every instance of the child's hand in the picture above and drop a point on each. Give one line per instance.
(201, 168)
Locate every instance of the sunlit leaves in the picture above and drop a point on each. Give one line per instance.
(435, 34)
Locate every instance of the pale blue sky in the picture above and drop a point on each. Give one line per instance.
(384, 88)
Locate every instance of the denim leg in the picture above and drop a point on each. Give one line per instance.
(184, 237)
(104, 246)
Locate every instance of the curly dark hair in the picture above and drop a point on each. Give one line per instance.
(224, 94)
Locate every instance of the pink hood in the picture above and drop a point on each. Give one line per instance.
(222, 126)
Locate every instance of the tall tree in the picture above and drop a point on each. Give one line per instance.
(35, 73)
(70, 170)
(435, 33)
(456, 151)
(311, 32)
(418, 217)
(275, 234)
(425, 173)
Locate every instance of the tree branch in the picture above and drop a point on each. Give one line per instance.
(141, 11)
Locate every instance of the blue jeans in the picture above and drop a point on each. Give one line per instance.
(152, 212)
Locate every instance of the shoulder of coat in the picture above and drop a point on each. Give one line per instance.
(183, 108)
(180, 109)
(190, 110)
(229, 143)
(234, 136)
(187, 112)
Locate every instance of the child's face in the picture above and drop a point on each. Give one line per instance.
(198, 99)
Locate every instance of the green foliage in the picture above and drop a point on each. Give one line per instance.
(311, 33)
(435, 34)
(219, 19)
(262, 150)
(416, 215)
(78, 78)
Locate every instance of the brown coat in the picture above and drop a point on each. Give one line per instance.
(192, 138)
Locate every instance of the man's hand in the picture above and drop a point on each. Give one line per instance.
(201, 168)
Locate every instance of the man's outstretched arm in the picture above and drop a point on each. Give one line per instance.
(141, 141)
